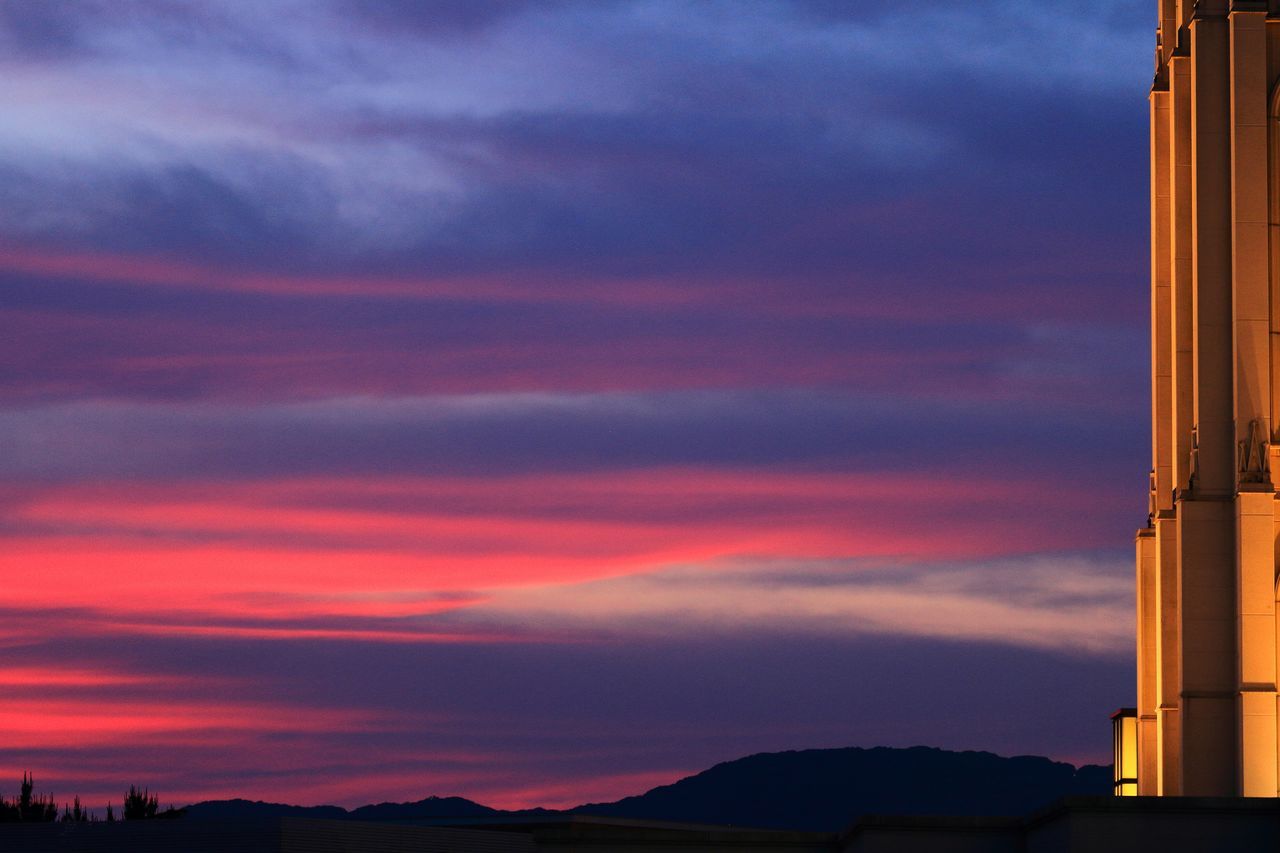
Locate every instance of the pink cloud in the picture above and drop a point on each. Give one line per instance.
(351, 559)
(43, 722)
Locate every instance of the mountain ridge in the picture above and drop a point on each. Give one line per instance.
(814, 789)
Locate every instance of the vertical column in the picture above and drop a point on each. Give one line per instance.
(1250, 285)
(1206, 521)
(1257, 646)
(1148, 744)
(1162, 344)
(1272, 35)
(1181, 303)
(1169, 623)
(1162, 353)
(1273, 218)
(1207, 704)
(1168, 661)
(1251, 592)
(1250, 282)
(1256, 678)
(1277, 644)
(1212, 357)
(1168, 24)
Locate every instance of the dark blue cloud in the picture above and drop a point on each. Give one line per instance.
(545, 433)
(439, 18)
(73, 338)
(778, 162)
(37, 30)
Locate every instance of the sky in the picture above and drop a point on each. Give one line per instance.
(538, 402)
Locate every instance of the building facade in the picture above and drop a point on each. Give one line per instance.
(1208, 639)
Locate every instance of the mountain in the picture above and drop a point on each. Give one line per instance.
(812, 789)
(431, 807)
(825, 789)
(235, 809)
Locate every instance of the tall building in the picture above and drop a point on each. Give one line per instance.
(1208, 640)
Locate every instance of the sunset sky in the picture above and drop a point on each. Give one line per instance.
(539, 401)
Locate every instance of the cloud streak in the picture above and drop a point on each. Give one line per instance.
(1053, 602)
(536, 432)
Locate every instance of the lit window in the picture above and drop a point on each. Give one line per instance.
(1124, 743)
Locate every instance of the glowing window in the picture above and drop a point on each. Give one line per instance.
(1124, 746)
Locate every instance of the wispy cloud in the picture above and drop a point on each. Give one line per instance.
(1043, 601)
(523, 433)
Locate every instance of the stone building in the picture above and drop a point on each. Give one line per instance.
(1206, 561)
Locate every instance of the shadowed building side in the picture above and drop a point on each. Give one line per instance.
(1208, 639)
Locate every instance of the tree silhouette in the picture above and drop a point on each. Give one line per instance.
(28, 808)
(75, 814)
(140, 804)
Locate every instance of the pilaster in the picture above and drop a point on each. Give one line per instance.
(1162, 345)
(1168, 28)
(1250, 290)
(1148, 641)
(1181, 302)
(1255, 517)
(1168, 658)
(1256, 641)
(1207, 629)
(1212, 368)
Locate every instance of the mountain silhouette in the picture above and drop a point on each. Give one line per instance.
(812, 789)
(426, 809)
(826, 789)
(431, 807)
(237, 808)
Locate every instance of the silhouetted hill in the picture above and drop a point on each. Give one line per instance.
(825, 789)
(431, 807)
(816, 789)
(228, 809)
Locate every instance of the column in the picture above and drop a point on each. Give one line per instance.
(1148, 743)
(1168, 661)
(1206, 521)
(1255, 554)
(1162, 338)
(1181, 303)
(1169, 650)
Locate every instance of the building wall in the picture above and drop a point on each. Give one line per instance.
(1208, 640)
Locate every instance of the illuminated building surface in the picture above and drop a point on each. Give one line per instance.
(1206, 561)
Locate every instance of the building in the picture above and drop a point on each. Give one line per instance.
(1206, 561)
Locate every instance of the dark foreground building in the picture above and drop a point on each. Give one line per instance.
(1074, 825)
